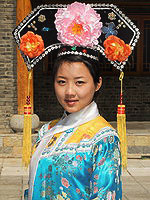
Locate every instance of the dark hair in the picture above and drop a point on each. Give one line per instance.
(91, 64)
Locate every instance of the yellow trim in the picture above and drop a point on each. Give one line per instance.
(85, 131)
(88, 130)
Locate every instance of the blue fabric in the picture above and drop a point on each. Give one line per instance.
(93, 174)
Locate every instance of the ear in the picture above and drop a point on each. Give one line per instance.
(99, 84)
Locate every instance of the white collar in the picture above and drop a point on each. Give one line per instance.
(75, 119)
(82, 116)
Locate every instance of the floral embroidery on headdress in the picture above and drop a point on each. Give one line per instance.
(111, 16)
(31, 44)
(110, 30)
(78, 24)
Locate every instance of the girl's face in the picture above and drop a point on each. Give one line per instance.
(74, 86)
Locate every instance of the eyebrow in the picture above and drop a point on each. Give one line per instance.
(60, 77)
(78, 77)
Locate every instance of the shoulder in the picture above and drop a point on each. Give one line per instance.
(103, 123)
(106, 134)
(106, 141)
(94, 130)
(97, 127)
(104, 131)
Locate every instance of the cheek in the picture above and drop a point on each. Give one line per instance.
(87, 92)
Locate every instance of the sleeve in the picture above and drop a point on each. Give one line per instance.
(105, 183)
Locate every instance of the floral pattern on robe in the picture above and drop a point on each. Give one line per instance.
(82, 163)
(93, 174)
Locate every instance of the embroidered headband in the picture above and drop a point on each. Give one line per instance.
(78, 50)
(77, 29)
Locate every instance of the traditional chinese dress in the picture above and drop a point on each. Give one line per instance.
(77, 158)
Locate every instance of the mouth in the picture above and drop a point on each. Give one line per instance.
(71, 102)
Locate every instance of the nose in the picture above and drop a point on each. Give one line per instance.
(70, 91)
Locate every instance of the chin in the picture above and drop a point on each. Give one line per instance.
(72, 110)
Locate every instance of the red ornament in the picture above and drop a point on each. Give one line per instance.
(121, 109)
(64, 49)
(84, 51)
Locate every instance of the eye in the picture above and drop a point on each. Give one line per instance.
(61, 82)
(80, 83)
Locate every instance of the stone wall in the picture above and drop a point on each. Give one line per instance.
(8, 94)
(8, 91)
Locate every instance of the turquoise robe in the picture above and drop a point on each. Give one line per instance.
(80, 163)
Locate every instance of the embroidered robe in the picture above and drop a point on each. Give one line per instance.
(79, 160)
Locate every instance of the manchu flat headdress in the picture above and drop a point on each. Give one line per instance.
(77, 29)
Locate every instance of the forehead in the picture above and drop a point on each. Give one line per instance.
(73, 68)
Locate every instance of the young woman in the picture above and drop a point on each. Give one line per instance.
(77, 157)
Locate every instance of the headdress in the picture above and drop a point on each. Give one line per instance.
(78, 29)
(94, 27)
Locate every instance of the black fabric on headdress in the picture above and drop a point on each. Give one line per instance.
(41, 22)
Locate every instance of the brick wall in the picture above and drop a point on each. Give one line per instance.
(8, 94)
(136, 97)
(45, 102)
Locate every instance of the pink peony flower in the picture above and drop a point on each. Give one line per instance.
(78, 24)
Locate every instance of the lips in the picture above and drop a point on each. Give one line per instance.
(71, 102)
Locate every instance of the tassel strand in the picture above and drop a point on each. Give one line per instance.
(121, 126)
(27, 130)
